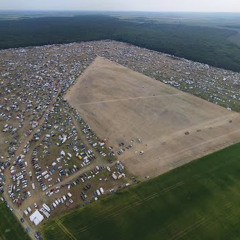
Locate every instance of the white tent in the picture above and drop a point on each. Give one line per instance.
(36, 217)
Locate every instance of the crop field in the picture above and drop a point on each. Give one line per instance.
(157, 126)
(9, 226)
(199, 200)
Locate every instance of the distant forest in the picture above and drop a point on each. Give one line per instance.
(197, 43)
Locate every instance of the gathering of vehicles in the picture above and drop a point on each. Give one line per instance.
(51, 160)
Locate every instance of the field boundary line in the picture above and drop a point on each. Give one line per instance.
(126, 99)
(131, 205)
(188, 229)
(201, 144)
(65, 230)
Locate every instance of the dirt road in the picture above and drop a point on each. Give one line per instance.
(19, 211)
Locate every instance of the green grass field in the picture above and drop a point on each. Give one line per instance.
(198, 201)
(10, 228)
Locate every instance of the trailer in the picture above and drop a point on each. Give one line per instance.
(46, 207)
(45, 212)
(101, 190)
(98, 192)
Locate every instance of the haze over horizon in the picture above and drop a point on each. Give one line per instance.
(124, 5)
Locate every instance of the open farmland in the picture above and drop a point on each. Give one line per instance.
(157, 127)
(9, 226)
(203, 205)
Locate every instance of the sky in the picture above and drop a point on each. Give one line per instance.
(124, 5)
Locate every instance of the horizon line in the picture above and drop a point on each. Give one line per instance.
(116, 11)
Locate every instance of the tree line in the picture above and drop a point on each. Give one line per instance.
(197, 43)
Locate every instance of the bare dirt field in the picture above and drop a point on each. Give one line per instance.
(174, 127)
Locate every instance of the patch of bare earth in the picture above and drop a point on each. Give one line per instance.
(175, 127)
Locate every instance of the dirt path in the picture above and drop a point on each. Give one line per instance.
(127, 99)
(19, 211)
(79, 173)
(100, 160)
(97, 162)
